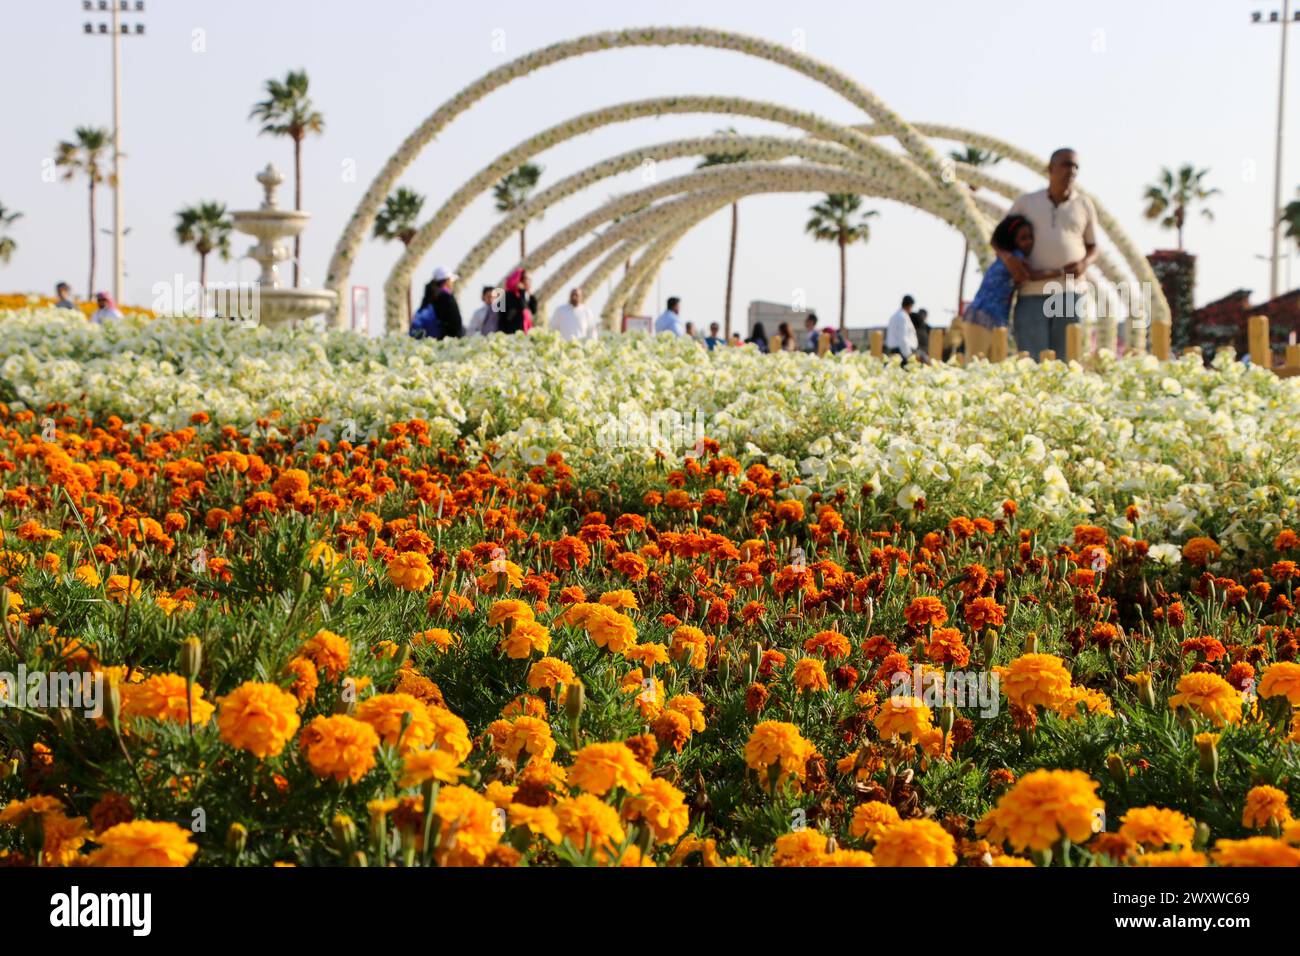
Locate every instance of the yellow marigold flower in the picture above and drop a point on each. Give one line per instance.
(1210, 696)
(144, 843)
(1046, 804)
(1291, 832)
(163, 697)
(918, 842)
(599, 768)
(611, 630)
(540, 821)
(776, 744)
(1005, 861)
(323, 556)
(450, 733)
(872, 819)
(899, 716)
(691, 644)
(257, 717)
(662, 807)
(509, 609)
(1036, 680)
(586, 818)
(810, 675)
(119, 584)
(469, 828)
(524, 639)
(802, 848)
(1157, 827)
(410, 571)
(1255, 851)
(501, 794)
(531, 736)
(16, 811)
(339, 747)
(690, 707)
(708, 850)
(87, 575)
(62, 837)
(619, 599)
(421, 765)
(499, 571)
(387, 712)
(549, 672)
(1171, 858)
(1094, 702)
(845, 858)
(330, 653)
(1282, 679)
(647, 654)
(439, 637)
(1265, 806)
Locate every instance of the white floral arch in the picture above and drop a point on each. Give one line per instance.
(913, 143)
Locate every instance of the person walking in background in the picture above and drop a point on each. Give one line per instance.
(1064, 222)
(64, 292)
(520, 303)
(713, 339)
(900, 333)
(574, 319)
(438, 316)
(671, 321)
(784, 338)
(810, 333)
(991, 307)
(758, 337)
(486, 317)
(107, 310)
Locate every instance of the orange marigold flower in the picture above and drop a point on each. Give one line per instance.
(1046, 804)
(144, 843)
(330, 653)
(918, 842)
(339, 747)
(1210, 696)
(257, 717)
(1265, 807)
(599, 768)
(1201, 551)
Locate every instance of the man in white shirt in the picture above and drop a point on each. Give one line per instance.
(900, 334)
(1065, 224)
(671, 321)
(574, 320)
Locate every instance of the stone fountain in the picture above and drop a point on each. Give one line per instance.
(270, 225)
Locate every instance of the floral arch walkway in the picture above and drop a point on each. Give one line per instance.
(645, 225)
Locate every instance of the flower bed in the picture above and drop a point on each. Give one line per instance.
(501, 631)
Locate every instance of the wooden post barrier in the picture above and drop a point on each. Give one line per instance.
(1073, 342)
(1292, 366)
(1193, 350)
(823, 343)
(1261, 352)
(878, 343)
(1047, 355)
(1162, 332)
(998, 345)
(935, 345)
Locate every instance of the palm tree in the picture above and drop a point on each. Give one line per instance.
(287, 111)
(207, 228)
(724, 159)
(85, 154)
(512, 192)
(971, 156)
(7, 243)
(833, 221)
(1169, 197)
(397, 220)
(1291, 217)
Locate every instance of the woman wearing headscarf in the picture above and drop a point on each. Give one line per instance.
(758, 337)
(107, 309)
(521, 304)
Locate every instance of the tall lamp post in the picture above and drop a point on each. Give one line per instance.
(1285, 20)
(115, 29)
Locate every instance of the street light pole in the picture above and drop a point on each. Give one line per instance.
(1284, 22)
(117, 153)
(116, 29)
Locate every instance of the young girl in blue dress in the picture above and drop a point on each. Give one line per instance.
(991, 307)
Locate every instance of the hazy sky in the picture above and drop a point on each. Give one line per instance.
(1132, 84)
